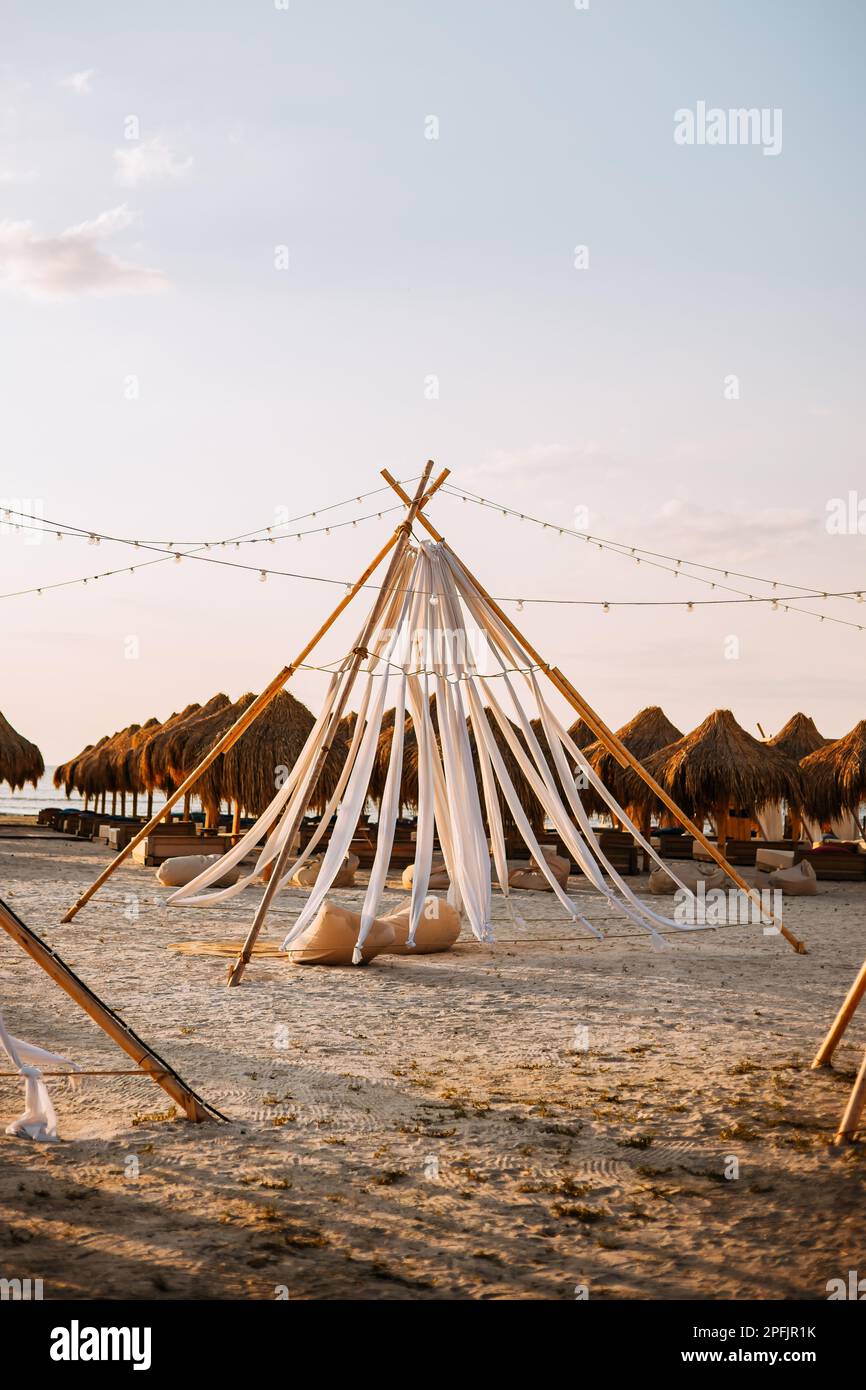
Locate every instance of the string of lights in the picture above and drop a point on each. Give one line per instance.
(785, 602)
(254, 537)
(653, 557)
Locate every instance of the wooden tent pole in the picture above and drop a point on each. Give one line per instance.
(610, 740)
(150, 1063)
(236, 971)
(850, 1121)
(825, 1052)
(239, 727)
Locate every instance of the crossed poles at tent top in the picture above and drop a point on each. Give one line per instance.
(400, 539)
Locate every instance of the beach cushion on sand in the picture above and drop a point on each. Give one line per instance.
(766, 860)
(690, 873)
(800, 881)
(330, 938)
(533, 879)
(175, 873)
(436, 932)
(308, 873)
(438, 876)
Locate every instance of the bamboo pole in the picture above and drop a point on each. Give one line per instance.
(854, 1109)
(149, 1062)
(239, 727)
(824, 1055)
(236, 970)
(614, 744)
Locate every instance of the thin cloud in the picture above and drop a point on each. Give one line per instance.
(80, 82)
(149, 161)
(547, 460)
(74, 262)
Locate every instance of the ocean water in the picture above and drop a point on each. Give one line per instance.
(30, 800)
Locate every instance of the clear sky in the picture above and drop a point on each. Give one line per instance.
(163, 377)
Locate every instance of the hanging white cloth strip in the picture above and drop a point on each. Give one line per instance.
(38, 1120)
(357, 789)
(292, 798)
(546, 791)
(190, 894)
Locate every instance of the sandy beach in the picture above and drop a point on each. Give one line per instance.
(548, 1116)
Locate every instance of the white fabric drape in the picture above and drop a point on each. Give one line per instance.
(771, 820)
(38, 1120)
(418, 647)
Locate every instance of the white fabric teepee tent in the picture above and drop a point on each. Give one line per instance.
(434, 635)
(433, 629)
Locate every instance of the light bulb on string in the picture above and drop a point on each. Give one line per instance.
(263, 574)
(605, 608)
(520, 605)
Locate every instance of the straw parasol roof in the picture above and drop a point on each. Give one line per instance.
(92, 767)
(835, 776)
(78, 773)
(20, 760)
(116, 754)
(153, 759)
(190, 739)
(255, 767)
(66, 774)
(798, 738)
(719, 766)
(581, 734)
(649, 731)
(132, 758)
(409, 782)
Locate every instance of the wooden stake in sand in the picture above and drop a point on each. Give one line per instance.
(240, 726)
(857, 1100)
(148, 1061)
(604, 734)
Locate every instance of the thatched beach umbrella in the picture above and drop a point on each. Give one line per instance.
(719, 768)
(797, 739)
(647, 733)
(409, 781)
(20, 760)
(187, 743)
(80, 773)
(581, 734)
(254, 768)
(66, 774)
(93, 771)
(835, 777)
(132, 777)
(153, 766)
